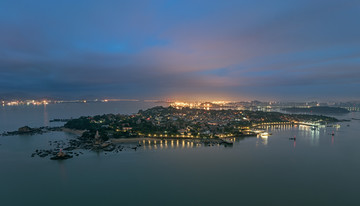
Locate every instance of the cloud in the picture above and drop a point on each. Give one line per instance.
(161, 49)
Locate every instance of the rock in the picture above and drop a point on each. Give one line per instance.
(69, 148)
(104, 145)
(25, 129)
(109, 148)
(61, 157)
(43, 155)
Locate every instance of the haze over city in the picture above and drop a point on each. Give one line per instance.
(234, 50)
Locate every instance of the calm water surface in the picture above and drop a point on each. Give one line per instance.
(317, 169)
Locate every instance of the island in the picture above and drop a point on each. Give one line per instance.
(160, 125)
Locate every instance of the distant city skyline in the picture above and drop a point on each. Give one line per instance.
(183, 50)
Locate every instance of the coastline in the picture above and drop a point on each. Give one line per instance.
(132, 140)
(73, 131)
(152, 140)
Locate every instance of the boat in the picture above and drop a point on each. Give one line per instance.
(264, 135)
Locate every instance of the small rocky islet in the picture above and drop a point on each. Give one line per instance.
(26, 130)
(74, 147)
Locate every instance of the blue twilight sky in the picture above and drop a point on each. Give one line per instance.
(233, 49)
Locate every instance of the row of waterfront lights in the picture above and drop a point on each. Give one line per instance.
(188, 135)
(165, 135)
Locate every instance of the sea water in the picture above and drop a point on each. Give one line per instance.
(316, 169)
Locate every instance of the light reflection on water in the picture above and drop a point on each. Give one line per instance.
(316, 169)
(261, 140)
(46, 116)
(174, 144)
(308, 134)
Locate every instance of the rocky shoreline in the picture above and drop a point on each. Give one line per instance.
(26, 130)
(77, 146)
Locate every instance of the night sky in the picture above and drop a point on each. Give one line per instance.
(228, 49)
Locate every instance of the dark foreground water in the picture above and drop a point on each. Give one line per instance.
(317, 169)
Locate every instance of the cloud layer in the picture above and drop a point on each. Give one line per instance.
(184, 49)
